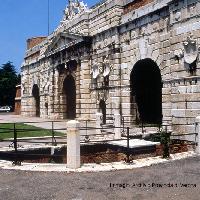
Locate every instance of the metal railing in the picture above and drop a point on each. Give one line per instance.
(15, 136)
(57, 135)
(20, 137)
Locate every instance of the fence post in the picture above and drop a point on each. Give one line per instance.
(73, 144)
(16, 159)
(86, 136)
(198, 135)
(98, 122)
(53, 134)
(128, 146)
(142, 127)
(117, 121)
(123, 123)
(15, 138)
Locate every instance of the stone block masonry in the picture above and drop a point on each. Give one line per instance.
(94, 52)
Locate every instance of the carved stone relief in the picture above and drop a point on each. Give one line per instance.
(74, 8)
(178, 53)
(106, 66)
(177, 16)
(188, 54)
(95, 70)
(101, 68)
(190, 50)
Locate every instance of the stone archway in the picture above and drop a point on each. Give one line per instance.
(102, 107)
(36, 95)
(146, 90)
(69, 91)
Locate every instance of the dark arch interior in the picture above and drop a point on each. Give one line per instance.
(69, 88)
(146, 87)
(102, 106)
(36, 95)
(72, 65)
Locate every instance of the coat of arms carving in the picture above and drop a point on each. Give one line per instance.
(190, 50)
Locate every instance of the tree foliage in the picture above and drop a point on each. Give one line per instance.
(8, 81)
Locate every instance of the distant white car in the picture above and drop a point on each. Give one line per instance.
(5, 109)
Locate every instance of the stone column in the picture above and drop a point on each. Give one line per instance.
(73, 144)
(115, 104)
(53, 93)
(98, 122)
(57, 112)
(198, 136)
(84, 82)
(117, 117)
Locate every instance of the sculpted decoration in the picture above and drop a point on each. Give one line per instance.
(188, 54)
(106, 67)
(190, 50)
(75, 7)
(95, 70)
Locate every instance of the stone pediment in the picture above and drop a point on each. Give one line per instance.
(62, 41)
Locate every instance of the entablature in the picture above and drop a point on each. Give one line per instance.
(64, 41)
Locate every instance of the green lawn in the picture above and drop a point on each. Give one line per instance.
(24, 130)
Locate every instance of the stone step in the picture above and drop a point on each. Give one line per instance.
(106, 131)
(109, 118)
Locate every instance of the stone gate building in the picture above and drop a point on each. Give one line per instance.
(138, 58)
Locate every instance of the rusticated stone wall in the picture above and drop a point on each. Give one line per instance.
(119, 34)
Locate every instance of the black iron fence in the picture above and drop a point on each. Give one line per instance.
(15, 138)
(103, 141)
(50, 137)
(39, 138)
(46, 141)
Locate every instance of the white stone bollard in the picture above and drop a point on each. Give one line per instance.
(52, 150)
(73, 144)
(198, 136)
(117, 122)
(98, 122)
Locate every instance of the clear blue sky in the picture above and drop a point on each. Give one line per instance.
(22, 19)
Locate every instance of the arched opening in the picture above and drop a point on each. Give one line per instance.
(36, 95)
(69, 89)
(146, 90)
(72, 65)
(102, 107)
(46, 108)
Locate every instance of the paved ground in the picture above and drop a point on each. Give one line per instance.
(36, 121)
(58, 125)
(140, 184)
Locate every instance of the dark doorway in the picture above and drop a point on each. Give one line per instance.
(69, 88)
(102, 106)
(36, 95)
(146, 87)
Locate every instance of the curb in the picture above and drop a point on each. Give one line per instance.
(103, 167)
